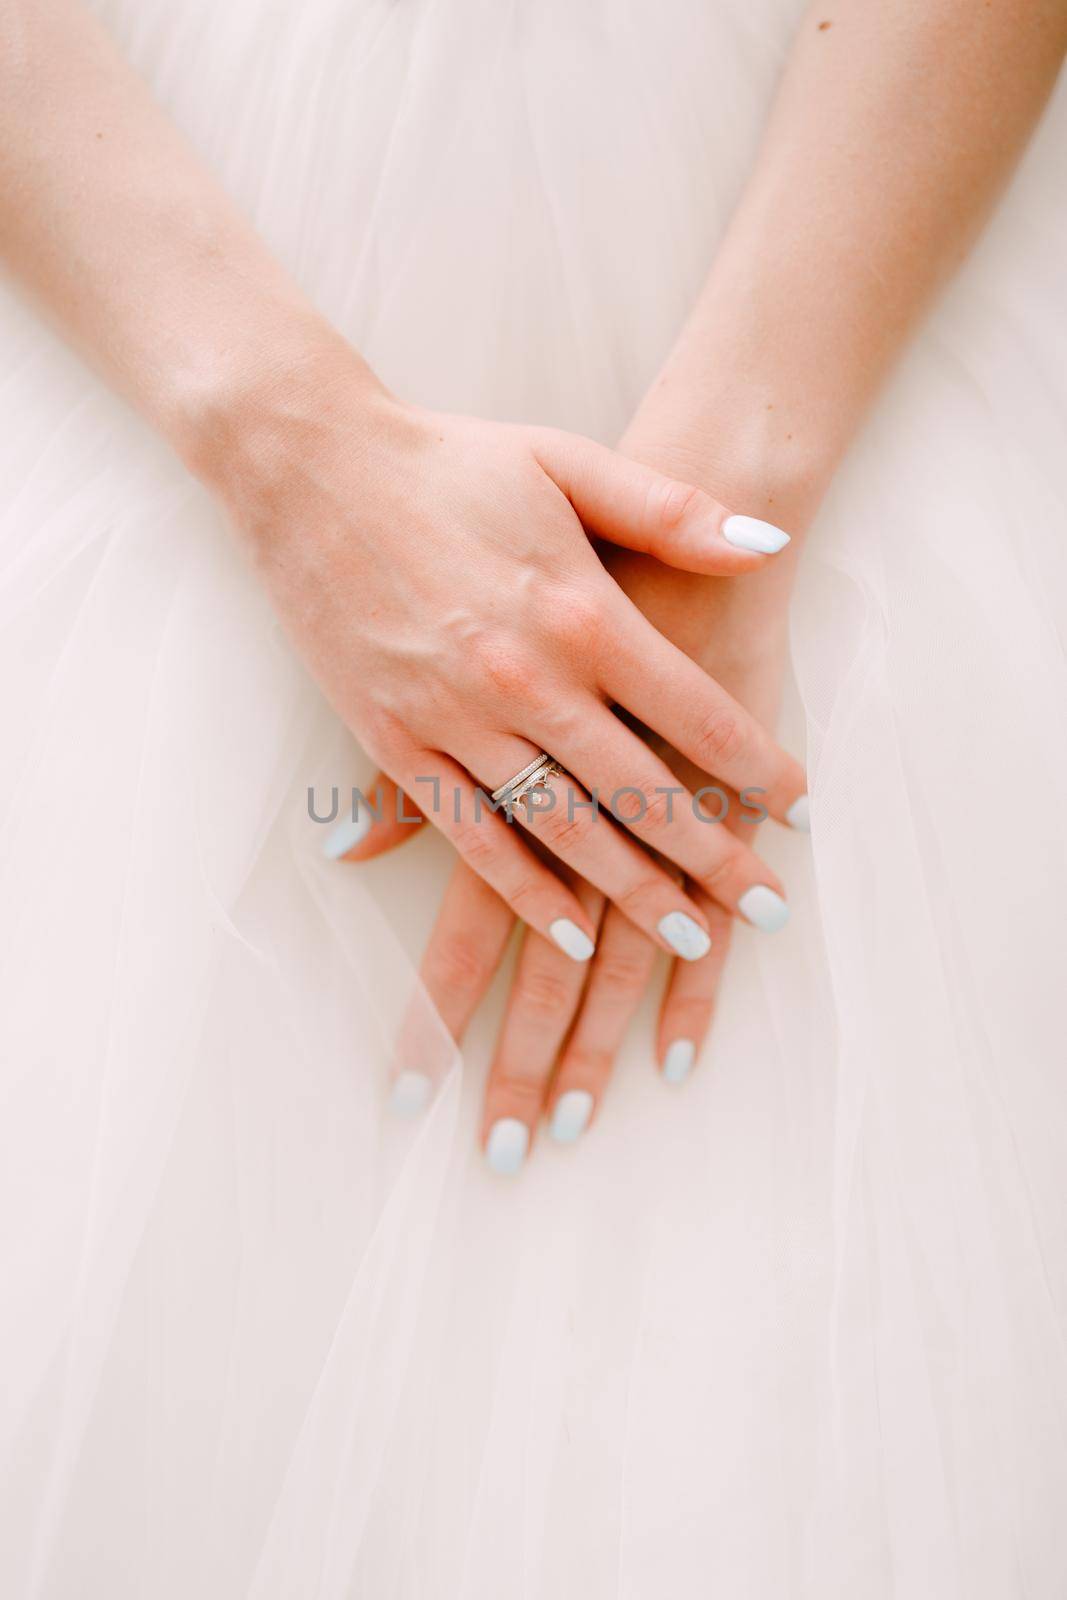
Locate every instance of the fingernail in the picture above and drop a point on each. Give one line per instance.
(409, 1094)
(571, 940)
(347, 835)
(571, 1115)
(506, 1149)
(749, 533)
(678, 1060)
(763, 908)
(685, 937)
(799, 815)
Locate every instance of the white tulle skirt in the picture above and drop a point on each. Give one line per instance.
(796, 1330)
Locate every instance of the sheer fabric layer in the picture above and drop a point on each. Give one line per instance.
(799, 1335)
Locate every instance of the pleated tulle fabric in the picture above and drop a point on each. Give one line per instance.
(797, 1330)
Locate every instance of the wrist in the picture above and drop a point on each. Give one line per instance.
(724, 438)
(729, 444)
(738, 412)
(239, 428)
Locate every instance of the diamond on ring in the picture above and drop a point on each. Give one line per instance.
(535, 775)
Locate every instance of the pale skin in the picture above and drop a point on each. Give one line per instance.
(895, 129)
(433, 570)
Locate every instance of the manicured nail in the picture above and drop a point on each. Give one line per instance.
(679, 1060)
(685, 937)
(749, 533)
(571, 940)
(506, 1149)
(409, 1095)
(763, 908)
(347, 835)
(571, 1115)
(799, 815)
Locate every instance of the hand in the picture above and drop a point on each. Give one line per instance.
(562, 1026)
(436, 576)
(560, 1035)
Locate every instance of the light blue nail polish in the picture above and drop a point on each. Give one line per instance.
(347, 834)
(571, 1116)
(799, 815)
(749, 533)
(410, 1094)
(678, 1061)
(509, 1140)
(685, 937)
(571, 940)
(763, 908)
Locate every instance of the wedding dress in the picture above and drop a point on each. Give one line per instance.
(795, 1329)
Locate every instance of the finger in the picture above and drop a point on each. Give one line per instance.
(689, 1003)
(632, 505)
(379, 818)
(462, 954)
(541, 1007)
(617, 979)
(564, 819)
(640, 791)
(498, 853)
(669, 693)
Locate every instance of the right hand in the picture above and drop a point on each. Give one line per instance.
(562, 1027)
(435, 574)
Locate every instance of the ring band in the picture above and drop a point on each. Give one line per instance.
(536, 780)
(534, 775)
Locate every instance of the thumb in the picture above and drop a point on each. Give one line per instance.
(386, 818)
(634, 506)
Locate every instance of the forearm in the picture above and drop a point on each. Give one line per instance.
(123, 236)
(895, 128)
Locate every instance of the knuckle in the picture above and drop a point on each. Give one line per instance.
(460, 966)
(516, 1087)
(538, 697)
(586, 1064)
(634, 900)
(624, 971)
(565, 829)
(716, 876)
(644, 804)
(563, 716)
(723, 870)
(497, 660)
(543, 992)
(688, 1016)
(721, 737)
(575, 619)
(525, 898)
(671, 503)
(477, 844)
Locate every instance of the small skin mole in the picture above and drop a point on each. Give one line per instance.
(100, 136)
(823, 26)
